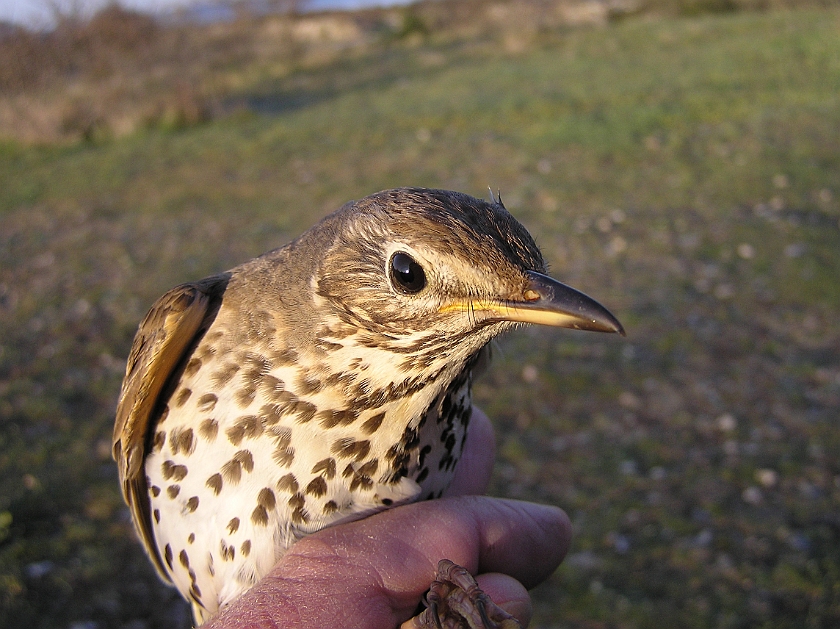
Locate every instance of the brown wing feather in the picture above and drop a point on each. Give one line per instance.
(165, 335)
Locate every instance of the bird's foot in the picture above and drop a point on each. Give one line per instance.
(455, 601)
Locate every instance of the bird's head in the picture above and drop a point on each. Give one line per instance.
(425, 267)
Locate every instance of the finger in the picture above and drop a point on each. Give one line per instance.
(403, 545)
(509, 594)
(472, 475)
(372, 573)
(524, 540)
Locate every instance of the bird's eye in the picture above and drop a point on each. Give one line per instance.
(406, 274)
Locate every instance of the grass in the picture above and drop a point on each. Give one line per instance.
(683, 171)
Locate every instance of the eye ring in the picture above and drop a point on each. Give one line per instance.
(406, 274)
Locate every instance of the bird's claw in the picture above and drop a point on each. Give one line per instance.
(455, 601)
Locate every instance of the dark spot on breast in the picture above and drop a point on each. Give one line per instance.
(225, 374)
(208, 429)
(182, 396)
(297, 501)
(171, 470)
(154, 490)
(303, 411)
(360, 482)
(207, 402)
(215, 483)
(167, 555)
(330, 507)
(181, 440)
(245, 549)
(272, 384)
(227, 552)
(233, 526)
(331, 418)
(286, 403)
(266, 498)
(281, 435)
(184, 559)
(158, 441)
(369, 468)
(422, 475)
(258, 364)
(192, 504)
(288, 483)
(191, 538)
(245, 427)
(232, 471)
(309, 385)
(424, 451)
(327, 346)
(206, 352)
(270, 414)
(192, 367)
(284, 456)
(245, 395)
(156, 514)
(326, 467)
(164, 413)
(317, 487)
(246, 459)
(285, 356)
(300, 516)
(259, 516)
(372, 425)
(347, 447)
(173, 490)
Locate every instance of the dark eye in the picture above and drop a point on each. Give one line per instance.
(406, 274)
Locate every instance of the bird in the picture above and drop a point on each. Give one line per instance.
(321, 382)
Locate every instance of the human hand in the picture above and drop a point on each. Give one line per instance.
(372, 573)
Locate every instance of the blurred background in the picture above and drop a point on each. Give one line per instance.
(677, 159)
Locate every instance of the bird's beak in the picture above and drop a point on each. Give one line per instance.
(546, 301)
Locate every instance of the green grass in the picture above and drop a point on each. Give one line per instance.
(685, 172)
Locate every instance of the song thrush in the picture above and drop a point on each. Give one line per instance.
(323, 381)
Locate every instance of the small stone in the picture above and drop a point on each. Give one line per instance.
(657, 473)
(628, 468)
(795, 250)
(752, 495)
(726, 422)
(781, 181)
(616, 246)
(746, 251)
(530, 374)
(724, 291)
(617, 215)
(767, 478)
(629, 400)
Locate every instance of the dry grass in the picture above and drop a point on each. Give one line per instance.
(122, 72)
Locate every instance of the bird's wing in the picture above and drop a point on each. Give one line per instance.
(165, 335)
